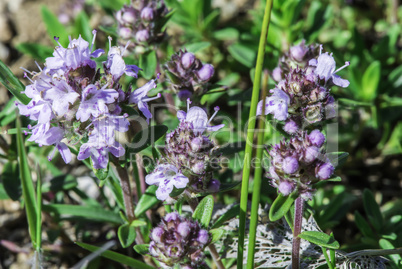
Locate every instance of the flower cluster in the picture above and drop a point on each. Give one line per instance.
(178, 240)
(142, 23)
(298, 163)
(190, 157)
(188, 74)
(303, 97)
(73, 102)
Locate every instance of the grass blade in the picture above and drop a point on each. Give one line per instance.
(12, 83)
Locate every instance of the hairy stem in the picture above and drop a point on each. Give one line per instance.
(296, 231)
(250, 133)
(127, 196)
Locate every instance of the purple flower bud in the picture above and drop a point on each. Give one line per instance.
(298, 52)
(128, 16)
(196, 144)
(142, 35)
(310, 154)
(156, 234)
(214, 185)
(184, 94)
(171, 217)
(184, 229)
(199, 167)
(291, 127)
(187, 60)
(203, 237)
(324, 171)
(125, 32)
(206, 72)
(290, 165)
(285, 188)
(147, 14)
(316, 138)
(307, 195)
(277, 74)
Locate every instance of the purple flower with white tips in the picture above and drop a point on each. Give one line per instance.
(94, 102)
(277, 104)
(290, 165)
(198, 118)
(61, 95)
(325, 171)
(140, 97)
(325, 69)
(166, 176)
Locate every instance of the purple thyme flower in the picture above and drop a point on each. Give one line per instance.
(317, 138)
(277, 104)
(290, 165)
(286, 187)
(115, 64)
(325, 171)
(179, 241)
(198, 118)
(142, 36)
(140, 97)
(166, 176)
(325, 69)
(147, 14)
(94, 102)
(206, 72)
(61, 96)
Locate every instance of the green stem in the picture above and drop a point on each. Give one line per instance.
(250, 133)
(257, 179)
(324, 251)
(39, 211)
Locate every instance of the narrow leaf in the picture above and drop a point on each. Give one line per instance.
(147, 201)
(11, 180)
(117, 257)
(146, 138)
(197, 46)
(142, 249)
(281, 206)
(231, 213)
(28, 190)
(216, 234)
(203, 212)
(320, 239)
(148, 63)
(372, 209)
(53, 26)
(36, 51)
(371, 80)
(12, 83)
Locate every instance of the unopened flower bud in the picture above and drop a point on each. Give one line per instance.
(199, 167)
(156, 234)
(310, 154)
(214, 185)
(324, 171)
(183, 229)
(285, 188)
(277, 74)
(290, 165)
(196, 144)
(128, 16)
(206, 72)
(125, 32)
(187, 60)
(291, 127)
(184, 94)
(312, 113)
(298, 52)
(142, 35)
(147, 14)
(171, 217)
(203, 237)
(316, 138)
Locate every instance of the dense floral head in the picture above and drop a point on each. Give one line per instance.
(83, 104)
(188, 74)
(179, 241)
(142, 23)
(298, 163)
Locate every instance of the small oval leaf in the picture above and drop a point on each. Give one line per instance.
(320, 239)
(203, 212)
(216, 234)
(281, 206)
(142, 249)
(127, 235)
(148, 200)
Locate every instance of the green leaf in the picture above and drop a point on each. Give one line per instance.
(370, 81)
(372, 209)
(281, 206)
(82, 26)
(142, 249)
(101, 173)
(127, 235)
(363, 225)
(36, 51)
(216, 234)
(147, 201)
(148, 63)
(203, 212)
(90, 213)
(338, 158)
(228, 186)
(53, 26)
(11, 180)
(227, 34)
(243, 54)
(231, 213)
(12, 83)
(28, 190)
(138, 223)
(60, 183)
(147, 137)
(385, 244)
(195, 47)
(320, 239)
(120, 258)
